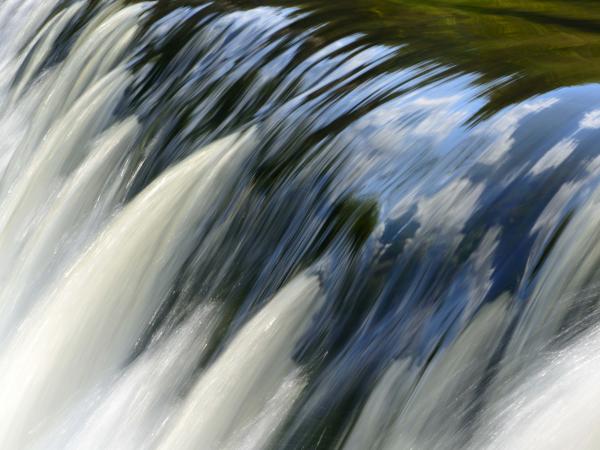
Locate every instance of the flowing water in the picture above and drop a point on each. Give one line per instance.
(278, 224)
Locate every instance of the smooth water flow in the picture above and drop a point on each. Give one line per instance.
(271, 224)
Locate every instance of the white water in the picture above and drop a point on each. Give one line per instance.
(430, 406)
(546, 398)
(543, 396)
(73, 216)
(134, 409)
(83, 273)
(239, 384)
(555, 408)
(82, 341)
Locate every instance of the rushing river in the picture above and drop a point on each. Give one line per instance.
(316, 224)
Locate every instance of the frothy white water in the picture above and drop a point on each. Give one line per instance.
(256, 367)
(391, 392)
(83, 273)
(545, 397)
(83, 277)
(44, 112)
(541, 395)
(18, 21)
(41, 46)
(565, 283)
(60, 181)
(259, 433)
(73, 218)
(132, 412)
(432, 405)
(89, 321)
(555, 408)
(28, 197)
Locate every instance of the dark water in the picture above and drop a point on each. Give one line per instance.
(434, 162)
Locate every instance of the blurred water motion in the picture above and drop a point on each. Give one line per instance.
(368, 224)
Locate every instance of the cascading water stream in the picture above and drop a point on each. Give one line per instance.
(299, 225)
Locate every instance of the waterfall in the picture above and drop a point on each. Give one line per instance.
(254, 371)
(273, 224)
